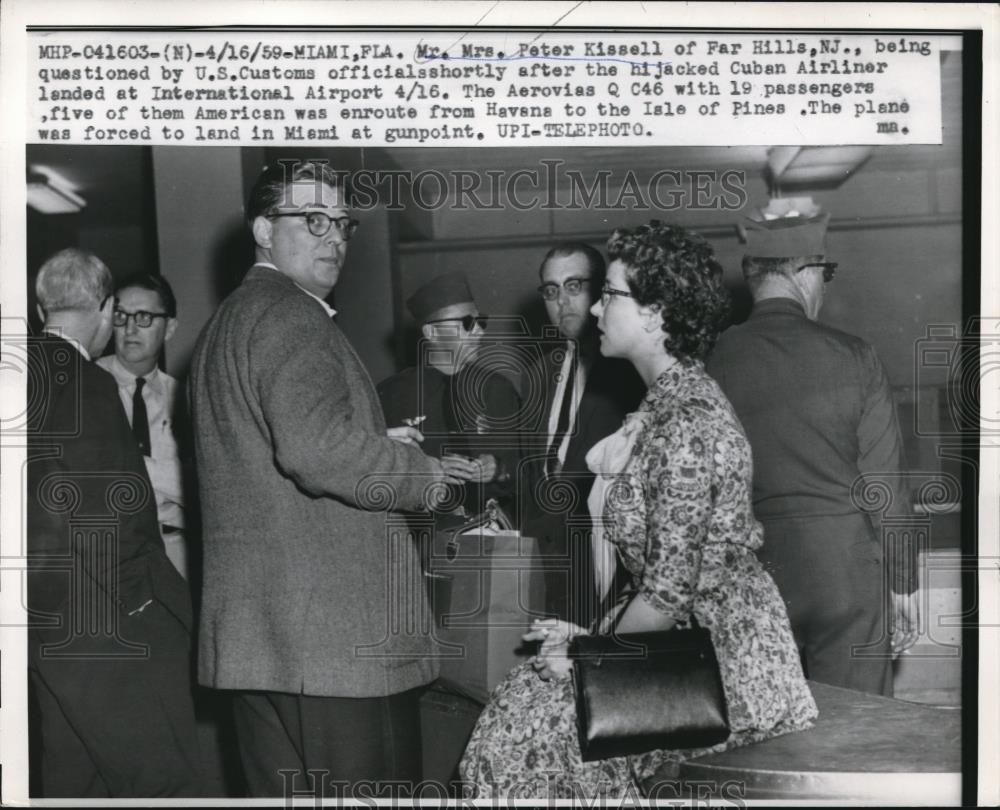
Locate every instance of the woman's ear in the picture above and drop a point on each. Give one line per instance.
(652, 321)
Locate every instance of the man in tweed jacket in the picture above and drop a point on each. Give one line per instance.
(313, 611)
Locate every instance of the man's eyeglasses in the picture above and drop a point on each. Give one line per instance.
(607, 292)
(142, 318)
(319, 224)
(828, 269)
(573, 287)
(469, 322)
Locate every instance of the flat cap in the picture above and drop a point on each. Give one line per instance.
(438, 293)
(787, 236)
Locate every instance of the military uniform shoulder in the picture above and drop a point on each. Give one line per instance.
(853, 342)
(730, 335)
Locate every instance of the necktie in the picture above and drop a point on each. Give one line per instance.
(140, 421)
(552, 465)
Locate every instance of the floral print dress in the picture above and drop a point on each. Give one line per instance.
(684, 530)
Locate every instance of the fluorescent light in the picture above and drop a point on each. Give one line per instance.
(47, 195)
(815, 165)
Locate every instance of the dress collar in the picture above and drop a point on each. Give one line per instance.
(671, 381)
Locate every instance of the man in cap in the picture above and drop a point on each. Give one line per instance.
(586, 397)
(466, 407)
(818, 410)
(110, 622)
(302, 579)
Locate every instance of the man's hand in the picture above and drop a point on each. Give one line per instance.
(479, 470)
(905, 621)
(552, 660)
(405, 435)
(437, 494)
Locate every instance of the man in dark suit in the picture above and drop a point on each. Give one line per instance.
(109, 616)
(586, 398)
(313, 609)
(818, 410)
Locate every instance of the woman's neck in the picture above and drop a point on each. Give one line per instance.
(650, 366)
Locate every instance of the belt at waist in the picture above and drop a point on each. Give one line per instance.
(166, 528)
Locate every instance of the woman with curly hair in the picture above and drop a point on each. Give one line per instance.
(672, 510)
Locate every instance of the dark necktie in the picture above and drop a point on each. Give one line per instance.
(552, 465)
(140, 421)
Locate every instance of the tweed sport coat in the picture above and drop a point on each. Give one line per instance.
(308, 588)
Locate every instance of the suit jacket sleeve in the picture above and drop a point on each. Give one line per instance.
(309, 401)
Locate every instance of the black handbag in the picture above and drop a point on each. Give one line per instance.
(638, 692)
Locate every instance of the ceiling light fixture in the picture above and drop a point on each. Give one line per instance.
(48, 193)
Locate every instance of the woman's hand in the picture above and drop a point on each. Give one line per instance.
(552, 660)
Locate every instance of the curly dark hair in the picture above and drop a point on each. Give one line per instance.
(675, 270)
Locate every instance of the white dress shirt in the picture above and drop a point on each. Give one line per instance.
(579, 383)
(163, 464)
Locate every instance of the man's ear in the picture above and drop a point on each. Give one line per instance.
(262, 227)
(171, 328)
(427, 330)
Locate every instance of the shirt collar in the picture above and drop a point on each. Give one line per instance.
(72, 341)
(126, 379)
(780, 304)
(326, 307)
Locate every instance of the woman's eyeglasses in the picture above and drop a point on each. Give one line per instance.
(608, 292)
(319, 224)
(573, 287)
(828, 269)
(142, 318)
(469, 322)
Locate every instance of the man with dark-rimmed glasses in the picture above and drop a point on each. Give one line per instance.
(144, 319)
(586, 397)
(819, 413)
(311, 613)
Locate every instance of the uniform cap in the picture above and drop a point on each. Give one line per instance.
(787, 237)
(438, 293)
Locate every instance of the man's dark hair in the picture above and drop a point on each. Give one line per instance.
(598, 267)
(271, 190)
(157, 284)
